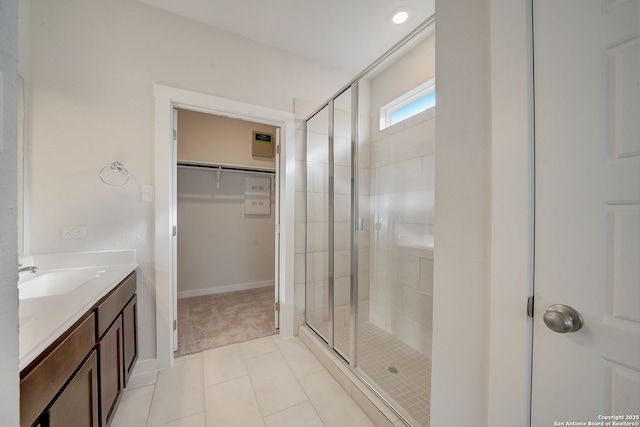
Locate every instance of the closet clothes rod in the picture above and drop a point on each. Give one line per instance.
(225, 168)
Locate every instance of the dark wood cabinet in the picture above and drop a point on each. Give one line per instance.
(79, 379)
(113, 337)
(77, 405)
(51, 372)
(110, 360)
(130, 336)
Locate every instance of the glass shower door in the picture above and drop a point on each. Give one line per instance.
(330, 284)
(370, 226)
(343, 311)
(317, 230)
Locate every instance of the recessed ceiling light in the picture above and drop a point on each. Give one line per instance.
(400, 16)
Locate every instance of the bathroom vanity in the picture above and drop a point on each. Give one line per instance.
(73, 373)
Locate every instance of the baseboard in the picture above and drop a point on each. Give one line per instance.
(223, 289)
(145, 373)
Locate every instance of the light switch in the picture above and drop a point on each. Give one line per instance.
(146, 193)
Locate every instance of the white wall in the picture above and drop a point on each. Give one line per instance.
(208, 138)
(93, 66)
(462, 215)
(303, 108)
(8, 210)
(220, 248)
(412, 66)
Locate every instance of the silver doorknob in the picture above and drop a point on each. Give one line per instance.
(562, 318)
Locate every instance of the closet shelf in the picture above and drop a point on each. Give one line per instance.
(225, 168)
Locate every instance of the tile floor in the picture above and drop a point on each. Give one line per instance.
(401, 372)
(267, 382)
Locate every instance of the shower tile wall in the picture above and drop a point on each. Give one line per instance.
(402, 201)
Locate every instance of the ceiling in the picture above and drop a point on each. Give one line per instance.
(347, 34)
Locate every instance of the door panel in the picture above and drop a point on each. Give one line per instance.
(587, 214)
(110, 363)
(277, 236)
(342, 224)
(130, 337)
(174, 222)
(77, 404)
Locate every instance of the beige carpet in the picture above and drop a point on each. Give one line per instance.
(216, 320)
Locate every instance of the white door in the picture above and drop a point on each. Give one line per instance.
(277, 236)
(587, 214)
(174, 222)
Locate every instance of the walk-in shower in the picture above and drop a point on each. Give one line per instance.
(370, 169)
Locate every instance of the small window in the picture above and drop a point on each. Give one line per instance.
(408, 105)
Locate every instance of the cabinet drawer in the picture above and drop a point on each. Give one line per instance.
(109, 307)
(52, 369)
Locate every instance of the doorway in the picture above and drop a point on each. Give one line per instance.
(168, 98)
(226, 202)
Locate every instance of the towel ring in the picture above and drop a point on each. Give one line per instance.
(116, 169)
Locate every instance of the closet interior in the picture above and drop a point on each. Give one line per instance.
(226, 211)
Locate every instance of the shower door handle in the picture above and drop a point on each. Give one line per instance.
(359, 224)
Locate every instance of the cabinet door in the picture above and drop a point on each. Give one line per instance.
(110, 361)
(77, 405)
(130, 332)
(46, 376)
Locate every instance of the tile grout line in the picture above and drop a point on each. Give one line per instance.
(333, 378)
(253, 389)
(302, 387)
(146, 420)
(204, 390)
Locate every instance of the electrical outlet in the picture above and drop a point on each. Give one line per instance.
(74, 232)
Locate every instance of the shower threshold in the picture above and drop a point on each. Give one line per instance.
(385, 370)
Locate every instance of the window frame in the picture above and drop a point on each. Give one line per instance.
(410, 97)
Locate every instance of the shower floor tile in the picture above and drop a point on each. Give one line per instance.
(402, 373)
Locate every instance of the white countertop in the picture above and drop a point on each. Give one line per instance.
(45, 318)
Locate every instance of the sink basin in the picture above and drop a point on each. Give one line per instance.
(48, 284)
